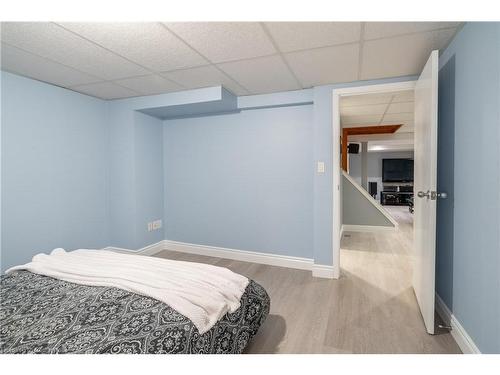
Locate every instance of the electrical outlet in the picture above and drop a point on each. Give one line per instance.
(157, 224)
(154, 225)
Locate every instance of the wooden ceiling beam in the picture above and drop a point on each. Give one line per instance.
(363, 130)
(377, 129)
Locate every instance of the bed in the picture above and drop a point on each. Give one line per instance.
(41, 314)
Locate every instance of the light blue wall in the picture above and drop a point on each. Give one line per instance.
(122, 190)
(76, 171)
(149, 177)
(136, 162)
(136, 176)
(468, 277)
(54, 168)
(270, 112)
(241, 181)
(357, 209)
(297, 221)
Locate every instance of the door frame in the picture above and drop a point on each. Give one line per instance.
(337, 171)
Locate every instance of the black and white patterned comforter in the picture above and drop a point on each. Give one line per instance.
(39, 314)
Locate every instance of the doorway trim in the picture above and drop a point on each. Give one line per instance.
(336, 131)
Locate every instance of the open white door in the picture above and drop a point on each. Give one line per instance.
(426, 114)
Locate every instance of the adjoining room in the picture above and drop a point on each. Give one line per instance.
(250, 187)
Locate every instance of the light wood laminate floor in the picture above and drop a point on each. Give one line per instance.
(370, 309)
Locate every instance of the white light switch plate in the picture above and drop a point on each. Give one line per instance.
(321, 167)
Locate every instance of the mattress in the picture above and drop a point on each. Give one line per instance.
(40, 314)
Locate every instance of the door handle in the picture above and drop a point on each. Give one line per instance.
(421, 194)
(435, 195)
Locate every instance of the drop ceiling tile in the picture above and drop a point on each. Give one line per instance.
(146, 43)
(149, 85)
(406, 128)
(55, 43)
(261, 75)
(399, 120)
(367, 99)
(325, 65)
(26, 64)
(372, 109)
(375, 30)
(360, 119)
(204, 76)
(401, 107)
(404, 96)
(399, 56)
(225, 41)
(293, 36)
(105, 90)
(398, 117)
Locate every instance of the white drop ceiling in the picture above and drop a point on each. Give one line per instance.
(119, 60)
(381, 109)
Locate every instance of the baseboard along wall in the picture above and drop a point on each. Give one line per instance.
(318, 270)
(366, 228)
(458, 332)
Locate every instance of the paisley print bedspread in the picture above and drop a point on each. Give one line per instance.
(39, 314)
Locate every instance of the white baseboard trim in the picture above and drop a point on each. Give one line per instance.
(252, 256)
(458, 332)
(241, 255)
(146, 250)
(326, 272)
(318, 270)
(366, 228)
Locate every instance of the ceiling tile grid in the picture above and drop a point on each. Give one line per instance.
(115, 60)
(324, 65)
(18, 61)
(363, 99)
(376, 30)
(148, 44)
(225, 41)
(205, 76)
(55, 43)
(151, 84)
(106, 90)
(401, 55)
(400, 107)
(381, 109)
(360, 120)
(268, 74)
(294, 36)
(369, 109)
(378, 109)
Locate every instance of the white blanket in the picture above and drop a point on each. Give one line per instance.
(201, 292)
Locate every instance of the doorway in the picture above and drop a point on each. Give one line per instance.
(384, 89)
(379, 162)
(425, 91)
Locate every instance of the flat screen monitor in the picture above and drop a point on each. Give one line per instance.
(397, 170)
